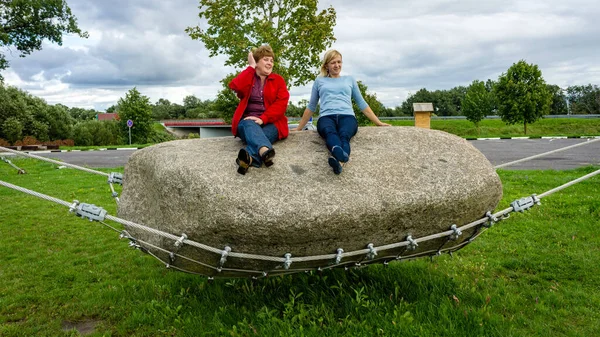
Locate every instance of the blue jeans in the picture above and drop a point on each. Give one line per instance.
(337, 130)
(256, 136)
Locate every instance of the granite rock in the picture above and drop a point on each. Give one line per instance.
(399, 181)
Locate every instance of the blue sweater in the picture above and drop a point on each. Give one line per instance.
(336, 96)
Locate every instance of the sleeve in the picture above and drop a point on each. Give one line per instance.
(242, 83)
(277, 109)
(360, 101)
(314, 97)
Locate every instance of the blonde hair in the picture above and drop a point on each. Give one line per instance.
(262, 51)
(329, 55)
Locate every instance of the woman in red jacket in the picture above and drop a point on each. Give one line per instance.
(259, 119)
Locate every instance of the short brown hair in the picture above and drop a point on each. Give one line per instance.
(262, 51)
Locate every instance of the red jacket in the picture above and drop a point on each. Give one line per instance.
(275, 96)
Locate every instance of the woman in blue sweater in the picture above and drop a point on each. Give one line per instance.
(337, 123)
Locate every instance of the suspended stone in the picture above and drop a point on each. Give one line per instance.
(400, 181)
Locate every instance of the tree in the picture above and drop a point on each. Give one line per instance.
(559, 100)
(161, 109)
(24, 24)
(522, 95)
(295, 30)
(136, 107)
(421, 96)
(81, 114)
(584, 99)
(12, 129)
(226, 101)
(371, 100)
(477, 103)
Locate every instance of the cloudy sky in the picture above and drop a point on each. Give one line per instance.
(395, 47)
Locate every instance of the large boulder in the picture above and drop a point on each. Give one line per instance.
(399, 181)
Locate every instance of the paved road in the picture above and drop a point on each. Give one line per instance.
(497, 151)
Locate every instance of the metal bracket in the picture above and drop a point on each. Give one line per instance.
(456, 232)
(224, 254)
(338, 256)
(179, 241)
(523, 204)
(89, 211)
(372, 252)
(288, 261)
(491, 219)
(115, 178)
(412, 244)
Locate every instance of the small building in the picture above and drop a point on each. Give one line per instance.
(107, 116)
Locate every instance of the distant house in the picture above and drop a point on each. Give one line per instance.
(107, 116)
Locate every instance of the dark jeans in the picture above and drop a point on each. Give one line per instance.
(256, 136)
(337, 130)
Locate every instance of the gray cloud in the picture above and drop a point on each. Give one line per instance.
(394, 47)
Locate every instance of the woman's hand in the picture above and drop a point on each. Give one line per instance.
(382, 124)
(255, 119)
(251, 61)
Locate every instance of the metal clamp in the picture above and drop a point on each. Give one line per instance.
(179, 241)
(115, 178)
(89, 211)
(372, 252)
(288, 261)
(456, 232)
(73, 206)
(338, 256)
(224, 254)
(412, 244)
(492, 220)
(523, 204)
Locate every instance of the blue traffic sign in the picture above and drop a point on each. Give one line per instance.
(129, 123)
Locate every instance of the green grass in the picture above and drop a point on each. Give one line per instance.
(570, 127)
(534, 274)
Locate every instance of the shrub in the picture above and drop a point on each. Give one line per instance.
(3, 142)
(30, 140)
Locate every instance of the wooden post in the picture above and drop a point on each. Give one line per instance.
(422, 113)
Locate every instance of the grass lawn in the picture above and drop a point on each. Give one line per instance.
(570, 127)
(534, 274)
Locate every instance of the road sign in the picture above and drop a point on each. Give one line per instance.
(129, 123)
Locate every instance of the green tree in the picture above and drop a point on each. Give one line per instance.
(161, 109)
(522, 95)
(226, 101)
(421, 96)
(80, 114)
(12, 129)
(371, 100)
(477, 103)
(584, 99)
(25, 24)
(559, 100)
(136, 107)
(60, 123)
(111, 109)
(40, 131)
(295, 29)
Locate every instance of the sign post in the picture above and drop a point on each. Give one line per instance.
(129, 125)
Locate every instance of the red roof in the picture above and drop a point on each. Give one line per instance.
(188, 123)
(108, 116)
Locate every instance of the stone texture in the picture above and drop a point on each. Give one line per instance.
(399, 181)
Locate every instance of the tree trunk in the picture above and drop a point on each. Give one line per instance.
(525, 124)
